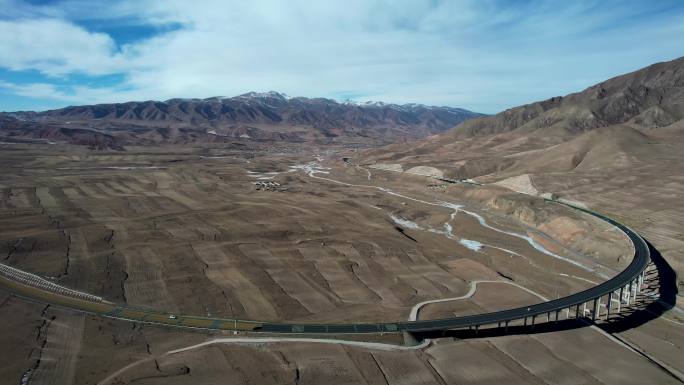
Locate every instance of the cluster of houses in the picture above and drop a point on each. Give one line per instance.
(269, 185)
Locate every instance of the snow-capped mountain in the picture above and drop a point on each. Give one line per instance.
(259, 115)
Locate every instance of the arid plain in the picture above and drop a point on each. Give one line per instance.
(202, 230)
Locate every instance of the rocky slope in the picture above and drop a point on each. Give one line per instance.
(610, 125)
(615, 147)
(647, 98)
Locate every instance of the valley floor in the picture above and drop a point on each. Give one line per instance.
(190, 231)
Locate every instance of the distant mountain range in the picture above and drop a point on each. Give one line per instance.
(255, 116)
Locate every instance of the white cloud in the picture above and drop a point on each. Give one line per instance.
(56, 47)
(33, 90)
(473, 54)
(70, 95)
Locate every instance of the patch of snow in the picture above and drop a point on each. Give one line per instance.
(448, 229)
(367, 103)
(403, 222)
(536, 245)
(472, 245)
(213, 132)
(312, 168)
(269, 94)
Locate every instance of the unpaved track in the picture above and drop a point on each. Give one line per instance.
(413, 316)
(311, 169)
(268, 341)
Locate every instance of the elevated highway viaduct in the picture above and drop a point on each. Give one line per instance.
(612, 295)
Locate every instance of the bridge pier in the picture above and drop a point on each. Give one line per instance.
(610, 304)
(627, 292)
(636, 289)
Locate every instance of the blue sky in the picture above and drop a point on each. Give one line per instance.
(484, 55)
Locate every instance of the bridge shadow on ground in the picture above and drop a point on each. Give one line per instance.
(658, 296)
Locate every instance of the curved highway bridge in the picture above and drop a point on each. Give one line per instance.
(618, 290)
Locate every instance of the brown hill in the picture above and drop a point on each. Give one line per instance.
(602, 148)
(607, 126)
(647, 98)
(615, 147)
(12, 130)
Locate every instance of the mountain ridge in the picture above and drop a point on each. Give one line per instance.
(614, 124)
(643, 96)
(254, 115)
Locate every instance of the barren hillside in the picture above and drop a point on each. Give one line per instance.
(616, 146)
